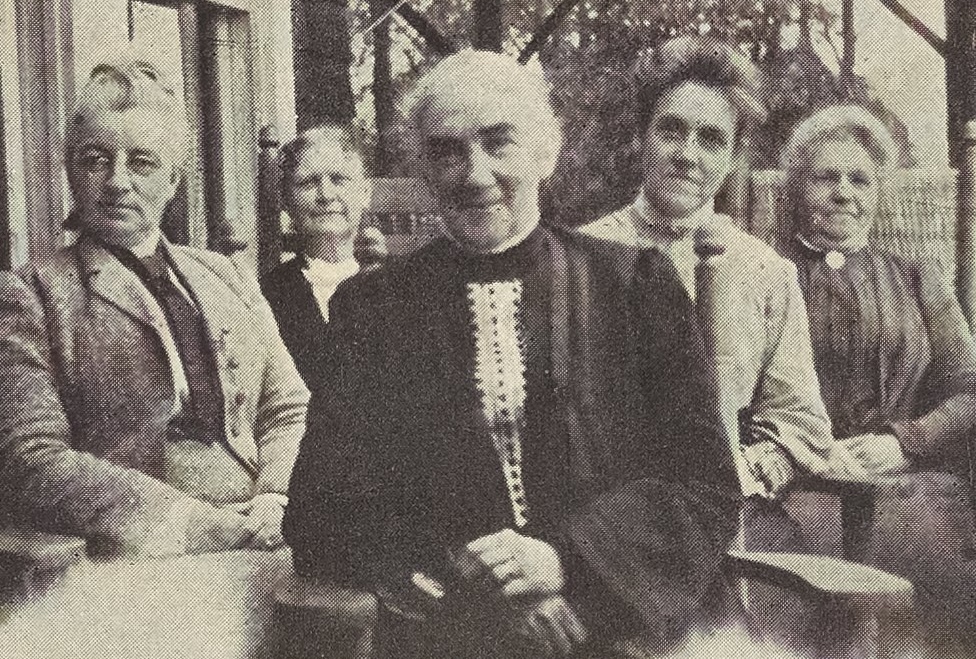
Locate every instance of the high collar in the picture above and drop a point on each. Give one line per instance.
(511, 263)
(835, 259)
(648, 220)
(504, 246)
(321, 268)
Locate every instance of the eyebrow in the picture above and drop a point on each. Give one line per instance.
(499, 129)
(90, 147)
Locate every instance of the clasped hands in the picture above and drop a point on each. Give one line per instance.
(526, 576)
(770, 465)
(864, 455)
(252, 524)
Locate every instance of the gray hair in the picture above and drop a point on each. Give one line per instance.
(486, 74)
(835, 123)
(123, 85)
(343, 135)
(838, 122)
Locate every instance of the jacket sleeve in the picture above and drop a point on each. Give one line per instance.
(45, 481)
(788, 391)
(282, 402)
(950, 385)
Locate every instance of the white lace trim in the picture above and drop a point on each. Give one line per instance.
(500, 378)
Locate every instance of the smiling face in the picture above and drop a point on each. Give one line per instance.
(327, 191)
(687, 149)
(483, 159)
(838, 195)
(122, 174)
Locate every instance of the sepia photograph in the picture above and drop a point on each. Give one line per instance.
(487, 329)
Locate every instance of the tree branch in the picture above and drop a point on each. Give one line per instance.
(439, 43)
(920, 28)
(546, 29)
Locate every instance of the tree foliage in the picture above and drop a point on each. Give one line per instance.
(588, 47)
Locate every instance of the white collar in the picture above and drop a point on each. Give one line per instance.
(649, 220)
(145, 247)
(800, 238)
(321, 268)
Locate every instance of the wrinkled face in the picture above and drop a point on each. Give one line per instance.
(688, 148)
(838, 195)
(327, 192)
(122, 174)
(482, 159)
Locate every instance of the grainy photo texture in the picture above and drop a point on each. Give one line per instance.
(487, 329)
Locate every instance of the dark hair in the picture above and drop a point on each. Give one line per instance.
(704, 60)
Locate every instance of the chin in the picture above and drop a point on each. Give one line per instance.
(117, 232)
(336, 229)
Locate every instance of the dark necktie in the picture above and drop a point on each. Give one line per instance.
(656, 281)
(202, 416)
(656, 287)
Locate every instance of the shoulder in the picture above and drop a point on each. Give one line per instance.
(221, 265)
(52, 267)
(57, 275)
(282, 277)
(750, 249)
(589, 243)
(240, 280)
(399, 280)
(925, 277)
(611, 226)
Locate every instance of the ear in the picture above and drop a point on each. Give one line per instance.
(69, 171)
(547, 157)
(174, 181)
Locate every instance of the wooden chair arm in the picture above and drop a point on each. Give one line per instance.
(823, 577)
(840, 485)
(321, 619)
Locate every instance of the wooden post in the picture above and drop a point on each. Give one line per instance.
(269, 200)
(966, 224)
(384, 94)
(849, 38)
(323, 55)
(960, 62)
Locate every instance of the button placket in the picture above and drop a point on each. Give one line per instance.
(500, 352)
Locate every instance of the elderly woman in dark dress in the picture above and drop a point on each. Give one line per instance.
(895, 357)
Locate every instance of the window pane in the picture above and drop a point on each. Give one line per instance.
(156, 34)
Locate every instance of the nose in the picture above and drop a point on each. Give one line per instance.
(480, 169)
(119, 178)
(325, 189)
(844, 190)
(687, 152)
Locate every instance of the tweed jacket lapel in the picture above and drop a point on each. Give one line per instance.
(210, 292)
(117, 285)
(225, 308)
